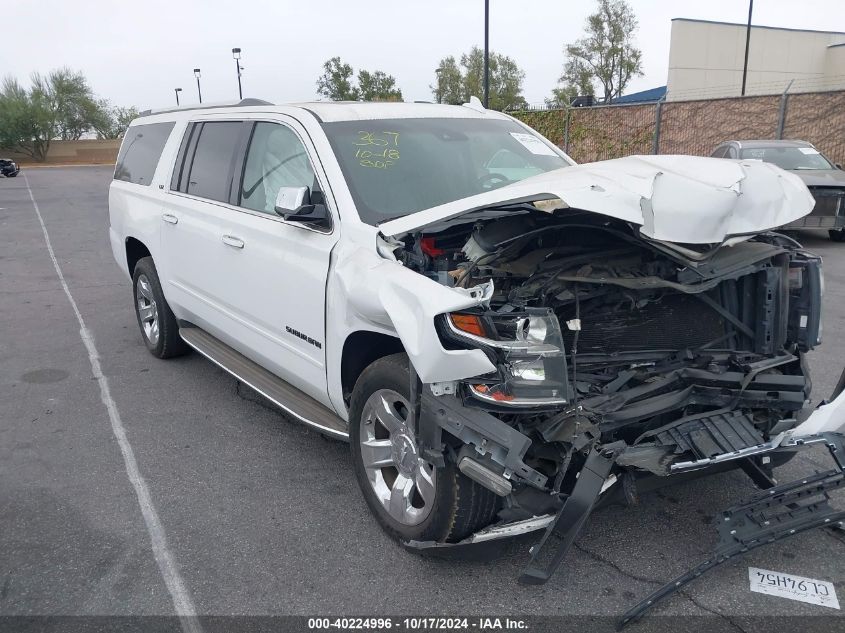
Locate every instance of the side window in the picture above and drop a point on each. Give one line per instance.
(721, 152)
(276, 158)
(210, 171)
(179, 180)
(140, 151)
(732, 153)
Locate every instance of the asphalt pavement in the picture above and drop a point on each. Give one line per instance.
(263, 516)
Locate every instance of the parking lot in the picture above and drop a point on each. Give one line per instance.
(261, 515)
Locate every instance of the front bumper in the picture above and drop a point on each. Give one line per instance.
(770, 516)
(766, 518)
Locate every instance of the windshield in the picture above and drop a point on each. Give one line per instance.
(790, 158)
(395, 167)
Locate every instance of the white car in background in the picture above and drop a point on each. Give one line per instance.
(503, 336)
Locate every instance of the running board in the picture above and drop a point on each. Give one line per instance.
(288, 398)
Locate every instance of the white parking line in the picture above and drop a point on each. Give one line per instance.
(182, 601)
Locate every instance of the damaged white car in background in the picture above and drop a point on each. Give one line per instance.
(506, 338)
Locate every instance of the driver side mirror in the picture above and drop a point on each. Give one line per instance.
(838, 165)
(295, 204)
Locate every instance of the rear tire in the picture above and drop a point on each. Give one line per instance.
(837, 235)
(159, 328)
(410, 499)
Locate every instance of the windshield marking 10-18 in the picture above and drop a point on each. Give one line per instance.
(373, 158)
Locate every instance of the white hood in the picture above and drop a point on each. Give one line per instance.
(685, 199)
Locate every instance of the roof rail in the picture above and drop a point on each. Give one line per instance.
(228, 104)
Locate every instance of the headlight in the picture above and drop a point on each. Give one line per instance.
(529, 351)
(534, 330)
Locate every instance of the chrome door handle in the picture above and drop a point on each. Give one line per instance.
(234, 242)
(170, 218)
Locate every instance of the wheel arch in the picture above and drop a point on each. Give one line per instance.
(135, 250)
(360, 350)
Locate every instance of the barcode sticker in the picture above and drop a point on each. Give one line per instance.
(533, 144)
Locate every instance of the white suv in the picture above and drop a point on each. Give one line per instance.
(500, 334)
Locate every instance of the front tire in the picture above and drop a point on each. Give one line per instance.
(411, 499)
(159, 328)
(837, 235)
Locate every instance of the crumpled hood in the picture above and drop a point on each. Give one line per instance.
(685, 199)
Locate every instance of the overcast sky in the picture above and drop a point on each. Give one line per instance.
(136, 53)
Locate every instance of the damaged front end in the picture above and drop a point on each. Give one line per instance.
(602, 338)
(617, 357)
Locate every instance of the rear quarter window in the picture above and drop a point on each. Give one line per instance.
(140, 152)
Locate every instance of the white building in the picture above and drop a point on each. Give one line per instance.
(706, 60)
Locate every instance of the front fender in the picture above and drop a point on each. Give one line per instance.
(388, 295)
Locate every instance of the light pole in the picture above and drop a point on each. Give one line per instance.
(486, 52)
(177, 91)
(747, 43)
(236, 53)
(197, 75)
(437, 72)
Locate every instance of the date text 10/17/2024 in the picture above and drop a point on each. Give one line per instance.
(419, 624)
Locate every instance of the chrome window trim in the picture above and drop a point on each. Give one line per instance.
(257, 214)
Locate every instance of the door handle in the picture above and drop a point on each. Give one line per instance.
(234, 242)
(170, 218)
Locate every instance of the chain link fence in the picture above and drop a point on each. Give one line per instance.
(693, 127)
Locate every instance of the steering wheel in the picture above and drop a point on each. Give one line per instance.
(491, 181)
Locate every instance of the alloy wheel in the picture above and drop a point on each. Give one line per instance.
(403, 482)
(147, 309)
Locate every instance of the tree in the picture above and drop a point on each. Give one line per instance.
(577, 80)
(335, 82)
(27, 125)
(377, 86)
(71, 100)
(456, 85)
(113, 120)
(606, 54)
(449, 85)
(60, 105)
(506, 84)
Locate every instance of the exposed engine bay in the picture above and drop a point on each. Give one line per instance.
(668, 354)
